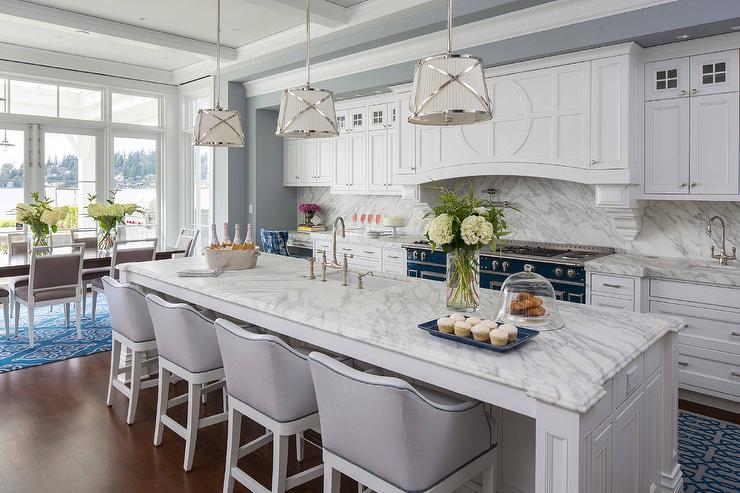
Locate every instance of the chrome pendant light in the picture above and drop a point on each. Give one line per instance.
(307, 112)
(449, 89)
(5, 143)
(218, 127)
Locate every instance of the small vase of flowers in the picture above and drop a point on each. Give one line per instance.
(108, 215)
(41, 218)
(309, 211)
(461, 226)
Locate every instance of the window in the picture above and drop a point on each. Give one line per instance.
(135, 110)
(357, 120)
(49, 100)
(714, 73)
(377, 117)
(666, 79)
(33, 98)
(79, 104)
(194, 105)
(135, 163)
(341, 122)
(202, 196)
(11, 175)
(3, 96)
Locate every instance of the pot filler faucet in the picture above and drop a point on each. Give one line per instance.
(722, 256)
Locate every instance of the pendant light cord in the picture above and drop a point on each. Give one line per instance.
(308, 43)
(449, 27)
(217, 80)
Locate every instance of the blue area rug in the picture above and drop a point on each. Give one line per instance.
(54, 341)
(709, 454)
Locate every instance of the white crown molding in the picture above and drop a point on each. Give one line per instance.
(514, 24)
(692, 47)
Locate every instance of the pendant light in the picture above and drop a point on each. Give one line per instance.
(304, 111)
(5, 143)
(449, 89)
(218, 127)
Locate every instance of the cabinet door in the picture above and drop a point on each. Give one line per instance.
(667, 146)
(308, 161)
(357, 158)
(325, 161)
(610, 113)
(357, 117)
(627, 455)
(667, 79)
(377, 115)
(342, 120)
(428, 147)
(341, 168)
(291, 161)
(407, 141)
(714, 73)
(651, 435)
(393, 114)
(377, 162)
(715, 144)
(600, 477)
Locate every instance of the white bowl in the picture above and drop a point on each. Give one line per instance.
(231, 259)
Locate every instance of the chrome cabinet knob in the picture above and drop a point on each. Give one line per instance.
(692, 184)
(558, 272)
(694, 91)
(682, 184)
(571, 273)
(682, 92)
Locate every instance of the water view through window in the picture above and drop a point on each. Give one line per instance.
(135, 178)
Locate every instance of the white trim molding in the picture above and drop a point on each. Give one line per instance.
(619, 203)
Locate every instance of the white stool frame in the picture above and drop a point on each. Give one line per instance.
(196, 381)
(283, 431)
(138, 362)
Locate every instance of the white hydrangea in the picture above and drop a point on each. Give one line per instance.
(475, 229)
(439, 229)
(482, 211)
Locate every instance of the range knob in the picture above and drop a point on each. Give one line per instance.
(495, 265)
(415, 256)
(505, 266)
(571, 273)
(423, 256)
(558, 272)
(528, 268)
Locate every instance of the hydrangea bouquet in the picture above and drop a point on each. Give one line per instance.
(461, 226)
(42, 219)
(108, 215)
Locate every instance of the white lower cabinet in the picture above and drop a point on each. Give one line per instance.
(373, 258)
(600, 478)
(651, 464)
(627, 457)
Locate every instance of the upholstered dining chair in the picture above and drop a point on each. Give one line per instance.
(17, 246)
(132, 330)
(269, 382)
(124, 252)
(274, 241)
(55, 278)
(5, 300)
(186, 240)
(188, 349)
(89, 238)
(391, 436)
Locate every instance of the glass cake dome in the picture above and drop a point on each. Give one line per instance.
(528, 300)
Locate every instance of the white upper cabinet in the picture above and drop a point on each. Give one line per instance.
(714, 73)
(667, 146)
(667, 79)
(610, 110)
(406, 140)
(324, 161)
(357, 121)
(307, 162)
(340, 175)
(378, 160)
(342, 121)
(292, 161)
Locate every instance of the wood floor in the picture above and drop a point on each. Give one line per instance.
(58, 436)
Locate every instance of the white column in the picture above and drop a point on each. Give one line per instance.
(558, 454)
(671, 478)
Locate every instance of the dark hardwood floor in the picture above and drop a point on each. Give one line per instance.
(58, 436)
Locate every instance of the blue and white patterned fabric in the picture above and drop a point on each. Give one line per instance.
(709, 454)
(274, 241)
(54, 341)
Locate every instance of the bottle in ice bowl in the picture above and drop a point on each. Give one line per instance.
(235, 257)
(528, 300)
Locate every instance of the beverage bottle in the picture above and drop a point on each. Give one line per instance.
(249, 240)
(214, 235)
(225, 240)
(238, 234)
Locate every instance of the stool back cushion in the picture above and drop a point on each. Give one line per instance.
(129, 314)
(265, 373)
(274, 241)
(388, 428)
(184, 336)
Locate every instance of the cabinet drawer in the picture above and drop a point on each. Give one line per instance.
(707, 369)
(620, 286)
(695, 293)
(394, 256)
(359, 251)
(627, 381)
(707, 328)
(393, 268)
(614, 303)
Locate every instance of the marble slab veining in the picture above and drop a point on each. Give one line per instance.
(566, 368)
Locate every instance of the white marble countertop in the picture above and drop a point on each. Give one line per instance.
(566, 368)
(381, 241)
(697, 270)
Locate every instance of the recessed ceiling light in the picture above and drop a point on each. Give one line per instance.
(235, 29)
(81, 31)
(683, 36)
(142, 19)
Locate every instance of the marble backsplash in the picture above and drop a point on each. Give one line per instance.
(560, 212)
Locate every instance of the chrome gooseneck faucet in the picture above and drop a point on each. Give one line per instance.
(334, 261)
(722, 256)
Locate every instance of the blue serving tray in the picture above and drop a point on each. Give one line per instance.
(523, 336)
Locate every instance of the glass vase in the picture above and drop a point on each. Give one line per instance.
(463, 280)
(106, 240)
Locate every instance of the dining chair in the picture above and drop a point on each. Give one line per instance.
(188, 350)
(132, 330)
(186, 241)
(391, 436)
(274, 241)
(5, 300)
(89, 238)
(17, 246)
(269, 382)
(55, 278)
(124, 252)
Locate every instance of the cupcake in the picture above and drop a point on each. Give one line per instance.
(473, 321)
(480, 332)
(462, 328)
(499, 337)
(457, 317)
(490, 324)
(511, 330)
(446, 325)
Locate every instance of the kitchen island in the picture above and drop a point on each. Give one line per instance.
(599, 395)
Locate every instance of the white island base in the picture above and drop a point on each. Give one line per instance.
(589, 408)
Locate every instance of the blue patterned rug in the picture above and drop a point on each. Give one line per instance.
(54, 341)
(709, 453)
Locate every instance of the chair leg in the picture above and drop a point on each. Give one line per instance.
(84, 299)
(66, 314)
(163, 397)
(31, 337)
(136, 361)
(203, 395)
(225, 397)
(299, 447)
(94, 303)
(194, 391)
(11, 302)
(279, 462)
(232, 447)
(489, 479)
(332, 479)
(115, 358)
(6, 314)
(17, 316)
(78, 319)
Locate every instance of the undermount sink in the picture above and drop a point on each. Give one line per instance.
(368, 282)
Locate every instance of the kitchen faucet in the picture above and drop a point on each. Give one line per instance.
(722, 257)
(334, 262)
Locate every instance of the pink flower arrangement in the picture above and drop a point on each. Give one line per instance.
(309, 208)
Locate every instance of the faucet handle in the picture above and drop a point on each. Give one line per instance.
(323, 254)
(360, 276)
(348, 255)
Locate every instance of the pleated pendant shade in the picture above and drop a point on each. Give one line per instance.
(307, 112)
(218, 128)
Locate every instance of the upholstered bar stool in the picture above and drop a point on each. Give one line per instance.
(188, 349)
(269, 382)
(393, 437)
(132, 329)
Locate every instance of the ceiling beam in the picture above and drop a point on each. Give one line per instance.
(74, 20)
(323, 12)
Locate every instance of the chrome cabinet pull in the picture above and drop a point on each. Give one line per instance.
(395, 256)
(735, 374)
(608, 285)
(736, 334)
(365, 251)
(347, 249)
(683, 363)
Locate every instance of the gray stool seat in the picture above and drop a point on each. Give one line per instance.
(392, 436)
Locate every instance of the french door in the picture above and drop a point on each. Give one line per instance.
(15, 159)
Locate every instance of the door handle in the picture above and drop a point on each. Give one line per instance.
(683, 363)
(608, 285)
